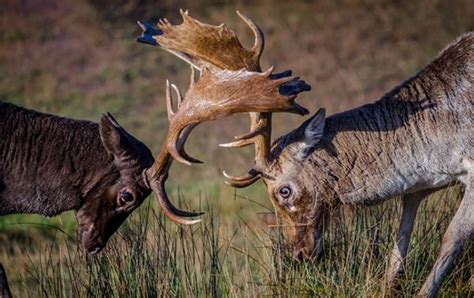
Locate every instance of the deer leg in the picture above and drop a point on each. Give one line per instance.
(4, 289)
(460, 231)
(410, 205)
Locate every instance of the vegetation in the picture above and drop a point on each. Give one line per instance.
(79, 59)
(232, 256)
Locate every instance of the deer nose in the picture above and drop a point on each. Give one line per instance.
(94, 251)
(298, 255)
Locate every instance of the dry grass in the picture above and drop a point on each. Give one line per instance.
(233, 256)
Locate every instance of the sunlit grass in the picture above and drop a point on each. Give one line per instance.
(238, 256)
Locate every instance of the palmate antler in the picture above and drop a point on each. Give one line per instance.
(230, 83)
(204, 45)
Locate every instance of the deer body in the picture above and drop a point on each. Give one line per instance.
(416, 137)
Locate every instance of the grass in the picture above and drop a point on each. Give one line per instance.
(235, 256)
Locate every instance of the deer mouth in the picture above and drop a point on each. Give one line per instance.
(95, 250)
(308, 253)
(93, 246)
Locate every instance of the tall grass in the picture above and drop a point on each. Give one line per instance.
(234, 257)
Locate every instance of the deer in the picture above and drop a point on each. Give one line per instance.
(414, 140)
(51, 164)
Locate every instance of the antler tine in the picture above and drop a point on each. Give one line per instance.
(170, 211)
(192, 78)
(248, 138)
(156, 177)
(178, 136)
(182, 140)
(169, 102)
(178, 93)
(241, 181)
(259, 43)
(237, 144)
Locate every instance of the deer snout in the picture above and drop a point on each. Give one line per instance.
(301, 254)
(90, 239)
(307, 253)
(298, 255)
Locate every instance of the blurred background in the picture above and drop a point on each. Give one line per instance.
(79, 59)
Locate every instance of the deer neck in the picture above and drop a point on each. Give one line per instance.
(411, 139)
(50, 162)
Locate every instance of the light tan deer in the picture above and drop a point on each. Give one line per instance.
(416, 139)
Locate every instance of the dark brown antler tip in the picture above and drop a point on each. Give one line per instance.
(298, 109)
(149, 31)
(286, 73)
(294, 87)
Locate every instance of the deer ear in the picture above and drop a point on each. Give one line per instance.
(122, 145)
(313, 132)
(116, 140)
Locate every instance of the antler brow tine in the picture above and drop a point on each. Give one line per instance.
(169, 102)
(259, 43)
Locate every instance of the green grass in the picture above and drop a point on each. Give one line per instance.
(237, 257)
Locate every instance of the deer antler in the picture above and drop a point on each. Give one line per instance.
(222, 93)
(204, 45)
(230, 83)
(156, 177)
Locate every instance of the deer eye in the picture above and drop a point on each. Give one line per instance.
(285, 192)
(126, 197)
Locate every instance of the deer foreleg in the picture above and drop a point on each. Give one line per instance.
(410, 205)
(4, 289)
(460, 230)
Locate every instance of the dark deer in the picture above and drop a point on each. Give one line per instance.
(51, 164)
(4, 288)
(416, 139)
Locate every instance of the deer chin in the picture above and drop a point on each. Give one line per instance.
(310, 244)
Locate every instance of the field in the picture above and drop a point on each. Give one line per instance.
(79, 59)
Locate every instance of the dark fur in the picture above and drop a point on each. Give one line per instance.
(51, 164)
(4, 289)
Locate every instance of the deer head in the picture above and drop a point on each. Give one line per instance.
(230, 82)
(301, 194)
(119, 188)
(122, 187)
